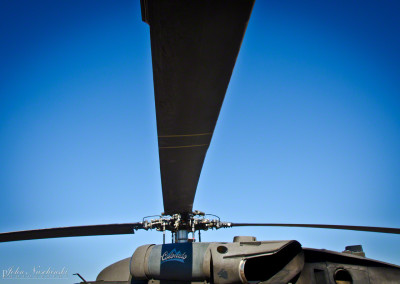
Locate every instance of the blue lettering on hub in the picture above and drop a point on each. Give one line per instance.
(173, 255)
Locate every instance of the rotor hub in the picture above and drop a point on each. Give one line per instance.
(189, 222)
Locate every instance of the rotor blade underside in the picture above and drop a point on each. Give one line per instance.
(77, 231)
(323, 226)
(194, 48)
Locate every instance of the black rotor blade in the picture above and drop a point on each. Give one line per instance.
(323, 226)
(194, 47)
(77, 231)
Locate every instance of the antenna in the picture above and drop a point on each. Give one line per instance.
(83, 279)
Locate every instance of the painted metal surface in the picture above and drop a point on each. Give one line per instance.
(205, 263)
(194, 47)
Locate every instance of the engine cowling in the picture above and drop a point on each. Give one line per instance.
(240, 261)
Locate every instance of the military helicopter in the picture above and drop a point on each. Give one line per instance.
(194, 49)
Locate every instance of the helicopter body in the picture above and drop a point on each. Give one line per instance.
(246, 260)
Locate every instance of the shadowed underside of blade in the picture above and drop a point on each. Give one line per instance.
(76, 231)
(323, 226)
(194, 49)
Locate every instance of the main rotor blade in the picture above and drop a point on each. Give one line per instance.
(194, 48)
(322, 226)
(77, 231)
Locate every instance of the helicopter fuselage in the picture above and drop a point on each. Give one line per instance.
(246, 261)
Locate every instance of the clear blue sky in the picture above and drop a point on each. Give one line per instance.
(309, 131)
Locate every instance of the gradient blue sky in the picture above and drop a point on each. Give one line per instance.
(309, 131)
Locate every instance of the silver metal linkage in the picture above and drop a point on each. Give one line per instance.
(180, 225)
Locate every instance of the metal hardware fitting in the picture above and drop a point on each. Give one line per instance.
(190, 222)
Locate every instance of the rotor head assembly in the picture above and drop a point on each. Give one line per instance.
(181, 225)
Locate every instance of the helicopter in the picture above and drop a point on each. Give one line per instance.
(179, 217)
